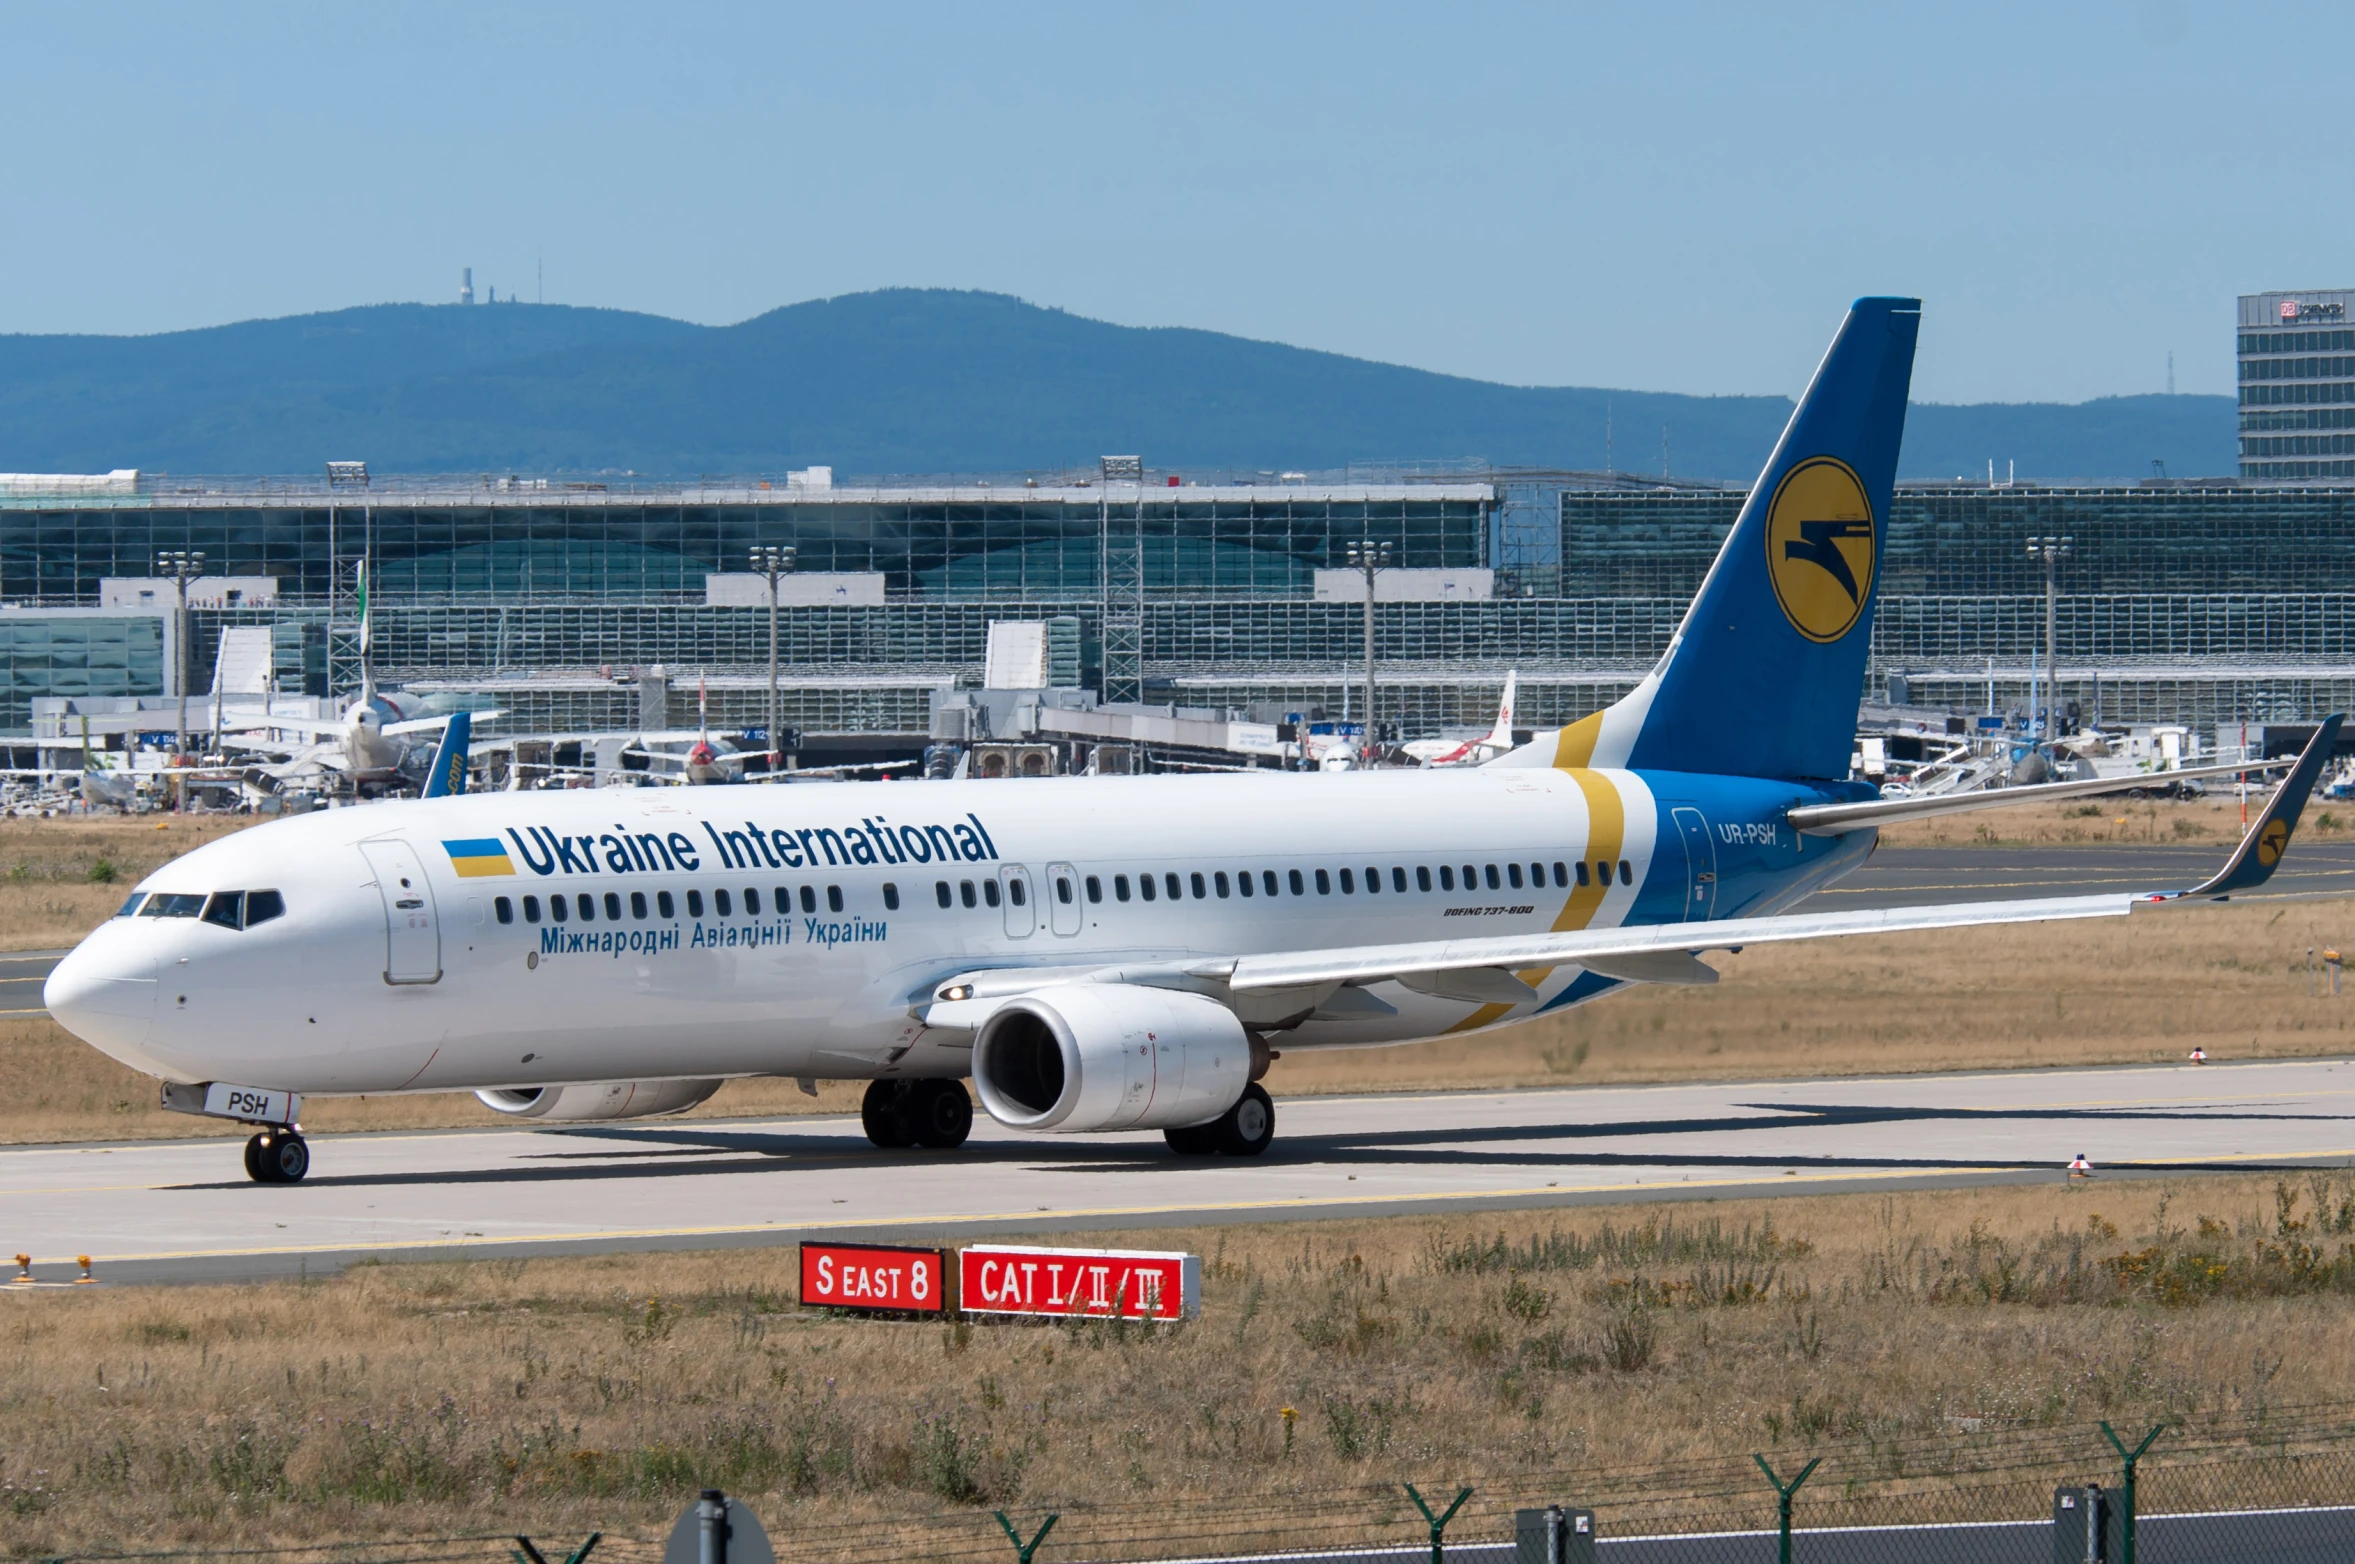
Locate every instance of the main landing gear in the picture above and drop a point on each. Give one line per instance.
(934, 1114)
(1242, 1131)
(277, 1156)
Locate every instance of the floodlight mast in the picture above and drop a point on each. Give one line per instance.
(180, 564)
(1368, 555)
(2051, 550)
(772, 561)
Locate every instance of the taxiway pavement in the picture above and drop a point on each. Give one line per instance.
(184, 1211)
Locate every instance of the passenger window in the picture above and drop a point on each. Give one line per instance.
(1398, 880)
(1171, 880)
(1063, 889)
(1537, 876)
(1373, 881)
(1324, 883)
(751, 902)
(262, 906)
(1219, 883)
(1120, 887)
(784, 901)
(1016, 893)
(226, 909)
(1348, 883)
(559, 910)
(1299, 887)
(1423, 877)
(834, 897)
(694, 904)
(1243, 882)
(1493, 882)
(1095, 889)
(588, 906)
(989, 892)
(809, 899)
(1145, 887)
(664, 905)
(940, 892)
(965, 890)
(1447, 877)
(613, 906)
(504, 908)
(1267, 881)
(1561, 876)
(1201, 891)
(1582, 880)
(721, 906)
(1512, 875)
(890, 897)
(1602, 871)
(531, 909)
(637, 906)
(132, 906)
(1626, 872)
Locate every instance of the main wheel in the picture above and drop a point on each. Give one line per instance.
(253, 1162)
(941, 1113)
(1245, 1129)
(885, 1117)
(1193, 1140)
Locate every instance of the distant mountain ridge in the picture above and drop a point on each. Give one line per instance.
(907, 380)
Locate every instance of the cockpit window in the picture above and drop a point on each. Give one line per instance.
(262, 906)
(172, 905)
(132, 906)
(227, 908)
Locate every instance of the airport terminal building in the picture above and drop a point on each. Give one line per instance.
(2188, 601)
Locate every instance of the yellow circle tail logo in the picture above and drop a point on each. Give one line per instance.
(2272, 842)
(1821, 547)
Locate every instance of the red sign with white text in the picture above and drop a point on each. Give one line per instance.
(1079, 1283)
(868, 1276)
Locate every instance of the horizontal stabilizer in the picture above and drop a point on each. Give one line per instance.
(1838, 819)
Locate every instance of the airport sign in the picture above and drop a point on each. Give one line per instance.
(1107, 1284)
(872, 1276)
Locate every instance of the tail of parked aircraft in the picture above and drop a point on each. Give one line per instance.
(1500, 737)
(1764, 676)
(448, 776)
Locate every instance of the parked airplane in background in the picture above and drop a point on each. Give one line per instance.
(1472, 752)
(1094, 953)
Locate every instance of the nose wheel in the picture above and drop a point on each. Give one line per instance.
(277, 1157)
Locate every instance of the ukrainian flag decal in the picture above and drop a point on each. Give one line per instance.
(478, 857)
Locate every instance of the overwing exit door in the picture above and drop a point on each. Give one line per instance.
(1700, 860)
(412, 935)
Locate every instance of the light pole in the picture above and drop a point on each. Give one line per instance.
(2052, 551)
(1369, 556)
(772, 561)
(180, 564)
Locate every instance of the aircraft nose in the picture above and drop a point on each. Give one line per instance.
(104, 992)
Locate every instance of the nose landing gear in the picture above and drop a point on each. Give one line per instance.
(277, 1156)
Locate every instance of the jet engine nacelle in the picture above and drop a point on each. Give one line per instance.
(1091, 1057)
(601, 1100)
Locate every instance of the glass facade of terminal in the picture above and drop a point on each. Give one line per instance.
(2181, 601)
(74, 654)
(2297, 385)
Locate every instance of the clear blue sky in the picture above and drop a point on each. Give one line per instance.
(1668, 197)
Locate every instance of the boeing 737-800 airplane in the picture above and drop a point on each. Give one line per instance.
(1095, 954)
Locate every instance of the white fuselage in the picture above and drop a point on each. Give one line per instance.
(391, 968)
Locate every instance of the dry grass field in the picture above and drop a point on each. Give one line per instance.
(559, 1395)
(2114, 992)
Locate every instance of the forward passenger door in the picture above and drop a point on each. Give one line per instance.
(413, 940)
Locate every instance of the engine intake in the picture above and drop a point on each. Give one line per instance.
(1092, 1057)
(599, 1100)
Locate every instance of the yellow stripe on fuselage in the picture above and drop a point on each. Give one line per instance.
(476, 868)
(1606, 835)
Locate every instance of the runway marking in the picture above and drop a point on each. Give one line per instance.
(1186, 1208)
(37, 1010)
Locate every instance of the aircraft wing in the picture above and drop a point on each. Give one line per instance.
(1488, 970)
(274, 723)
(1834, 819)
(433, 724)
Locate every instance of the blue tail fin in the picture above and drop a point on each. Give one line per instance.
(1764, 675)
(448, 776)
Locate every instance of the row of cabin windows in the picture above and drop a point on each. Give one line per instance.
(1509, 876)
(987, 893)
(723, 904)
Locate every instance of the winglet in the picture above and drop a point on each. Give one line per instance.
(2253, 862)
(448, 776)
